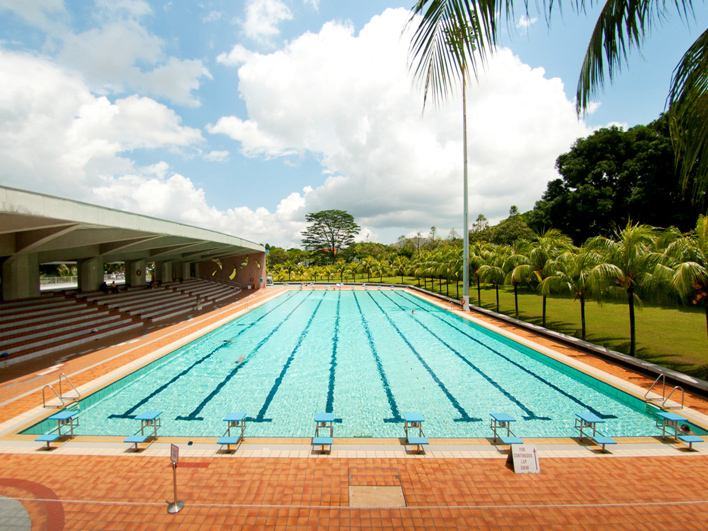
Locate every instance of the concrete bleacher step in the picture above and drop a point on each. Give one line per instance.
(49, 306)
(85, 339)
(33, 322)
(107, 298)
(12, 337)
(27, 344)
(159, 298)
(173, 312)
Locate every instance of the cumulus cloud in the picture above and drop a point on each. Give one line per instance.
(57, 137)
(110, 57)
(41, 13)
(175, 197)
(263, 17)
(349, 99)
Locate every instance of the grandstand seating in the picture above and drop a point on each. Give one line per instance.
(59, 321)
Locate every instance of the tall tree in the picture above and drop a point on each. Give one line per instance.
(613, 176)
(690, 254)
(331, 231)
(627, 262)
(570, 273)
(620, 27)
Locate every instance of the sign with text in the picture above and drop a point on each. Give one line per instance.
(524, 459)
(174, 454)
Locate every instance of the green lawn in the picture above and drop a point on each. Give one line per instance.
(672, 337)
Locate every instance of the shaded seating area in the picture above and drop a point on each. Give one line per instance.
(324, 432)
(413, 426)
(502, 421)
(590, 421)
(66, 418)
(148, 419)
(237, 421)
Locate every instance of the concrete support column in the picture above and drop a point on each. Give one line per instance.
(90, 274)
(182, 270)
(20, 277)
(163, 271)
(135, 272)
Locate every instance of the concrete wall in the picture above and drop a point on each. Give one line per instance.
(249, 274)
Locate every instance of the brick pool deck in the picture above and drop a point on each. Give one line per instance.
(94, 483)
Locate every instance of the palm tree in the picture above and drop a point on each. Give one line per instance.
(341, 267)
(546, 247)
(365, 266)
(289, 268)
(493, 270)
(620, 26)
(477, 260)
(690, 255)
(443, 48)
(627, 262)
(400, 266)
(570, 272)
(512, 265)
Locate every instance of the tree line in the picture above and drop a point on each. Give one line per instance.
(636, 263)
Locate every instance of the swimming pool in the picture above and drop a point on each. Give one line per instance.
(367, 357)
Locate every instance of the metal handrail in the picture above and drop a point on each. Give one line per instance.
(44, 402)
(78, 395)
(672, 392)
(662, 377)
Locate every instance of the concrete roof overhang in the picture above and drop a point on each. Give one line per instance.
(61, 229)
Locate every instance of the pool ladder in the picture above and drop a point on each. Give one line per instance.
(59, 395)
(664, 398)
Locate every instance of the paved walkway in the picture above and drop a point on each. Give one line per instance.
(86, 484)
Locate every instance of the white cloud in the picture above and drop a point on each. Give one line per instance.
(109, 57)
(263, 17)
(237, 56)
(348, 99)
(526, 22)
(58, 137)
(217, 156)
(41, 13)
(213, 16)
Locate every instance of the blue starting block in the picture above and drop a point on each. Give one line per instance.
(65, 418)
(148, 419)
(690, 440)
(322, 422)
(503, 421)
(234, 420)
(412, 423)
(666, 419)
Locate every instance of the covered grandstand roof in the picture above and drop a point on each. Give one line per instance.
(61, 229)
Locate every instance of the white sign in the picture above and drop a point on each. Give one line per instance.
(524, 459)
(174, 454)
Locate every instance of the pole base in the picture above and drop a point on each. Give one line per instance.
(175, 507)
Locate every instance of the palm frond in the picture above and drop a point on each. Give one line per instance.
(448, 33)
(621, 26)
(688, 116)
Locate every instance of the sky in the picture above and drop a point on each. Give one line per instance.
(242, 116)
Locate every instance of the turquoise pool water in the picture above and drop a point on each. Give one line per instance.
(367, 357)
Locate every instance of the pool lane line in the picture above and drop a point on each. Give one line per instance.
(464, 416)
(193, 415)
(529, 372)
(130, 412)
(232, 373)
(279, 380)
(329, 408)
(530, 414)
(396, 415)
